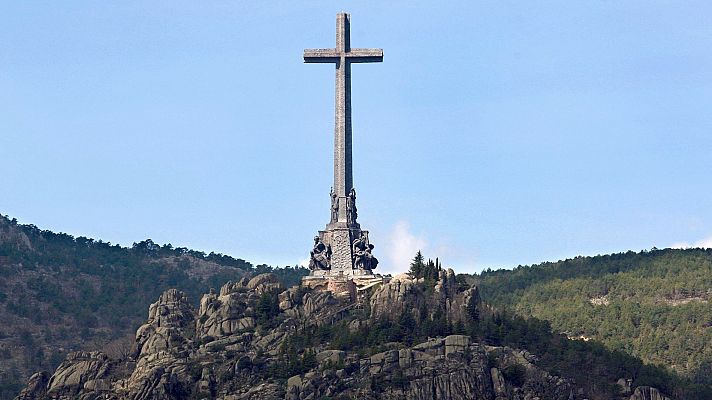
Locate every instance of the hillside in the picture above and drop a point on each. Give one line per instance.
(416, 337)
(653, 304)
(423, 335)
(59, 293)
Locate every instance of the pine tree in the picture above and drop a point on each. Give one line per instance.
(417, 265)
(473, 309)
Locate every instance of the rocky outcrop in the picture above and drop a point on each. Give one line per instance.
(449, 368)
(499, 386)
(164, 343)
(647, 393)
(78, 371)
(232, 312)
(401, 294)
(60, 294)
(165, 329)
(406, 294)
(160, 383)
(316, 302)
(36, 387)
(291, 298)
(264, 283)
(224, 315)
(625, 386)
(245, 336)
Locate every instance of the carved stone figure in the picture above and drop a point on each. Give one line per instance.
(320, 256)
(359, 252)
(351, 212)
(334, 206)
(362, 254)
(372, 261)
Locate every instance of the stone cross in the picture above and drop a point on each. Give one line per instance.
(343, 56)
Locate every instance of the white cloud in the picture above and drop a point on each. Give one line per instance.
(304, 263)
(703, 243)
(401, 247)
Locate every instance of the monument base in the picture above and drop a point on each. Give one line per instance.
(340, 283)
(339, 238)
(342, 250)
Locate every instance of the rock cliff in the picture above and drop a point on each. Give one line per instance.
(256, 340)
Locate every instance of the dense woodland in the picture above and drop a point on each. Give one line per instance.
(654, 305)
(60, 293)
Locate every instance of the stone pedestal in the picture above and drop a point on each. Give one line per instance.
(342, 288)
(340, 239)
(344, 285)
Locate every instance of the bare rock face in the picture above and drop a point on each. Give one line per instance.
(78, 369)
(625, 385)
(449, 368)
(290, 298)
(406, 294)
(456, 305)
(233, 312)
(160, 383)
(227, 314)
(168, 319)
(501, 391)
(163, 343)
(36, 387)
(392, 299)
(446, 285)
(172, 310)
(232, 287)
(456, 344)
(314, 303)
(331, 356)
(265, 283)
(647, 393)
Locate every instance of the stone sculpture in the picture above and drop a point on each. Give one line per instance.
(334, 206)
(351, 213)
(320, 256)
(362, 254)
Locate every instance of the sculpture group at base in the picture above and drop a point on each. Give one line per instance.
(363, 258)
(320, 256)
(361, 253)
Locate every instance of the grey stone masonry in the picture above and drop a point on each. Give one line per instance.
(343, 246)
(343, 56)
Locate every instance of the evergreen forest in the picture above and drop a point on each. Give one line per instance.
(653, 305)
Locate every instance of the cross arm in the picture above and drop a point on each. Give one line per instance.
(321, 56)
(365, 55)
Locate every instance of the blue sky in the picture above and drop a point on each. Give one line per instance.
(493, 134)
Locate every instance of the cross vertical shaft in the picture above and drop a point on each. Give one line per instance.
(343, 55)
(343, 171)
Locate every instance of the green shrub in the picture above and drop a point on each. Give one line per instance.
(515, 374)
